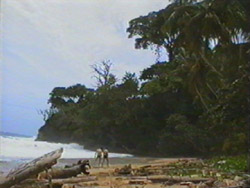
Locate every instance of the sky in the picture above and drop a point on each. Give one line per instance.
(52, 43)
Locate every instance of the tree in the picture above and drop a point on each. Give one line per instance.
(196, 100)
(103, 74)
(190, 32)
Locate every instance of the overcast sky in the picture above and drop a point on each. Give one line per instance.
(51, 43)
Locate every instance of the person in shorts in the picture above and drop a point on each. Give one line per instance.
(105, 154)
(98, 156)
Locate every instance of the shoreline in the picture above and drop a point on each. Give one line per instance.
(6, 166)
(145, 172)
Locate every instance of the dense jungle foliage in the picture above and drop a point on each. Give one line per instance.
(194, 103)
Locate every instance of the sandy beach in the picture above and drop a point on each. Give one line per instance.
(115, 161)
(104, 174)
(132, 172)
(6, 166)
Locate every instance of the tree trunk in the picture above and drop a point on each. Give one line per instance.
(64, 172)
(162, 178)
(60, 182)
(32, 168)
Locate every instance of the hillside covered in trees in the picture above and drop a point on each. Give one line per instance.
(194, 103)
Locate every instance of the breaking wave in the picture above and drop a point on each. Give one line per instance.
(20, 148)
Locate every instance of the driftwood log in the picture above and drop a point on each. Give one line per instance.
(75, 180)
(31, 183)
(125, 170)
(32, 168)
(162, 178)
(68, 171)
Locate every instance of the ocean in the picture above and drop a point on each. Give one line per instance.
(17, 150)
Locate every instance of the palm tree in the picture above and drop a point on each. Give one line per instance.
(196, 28)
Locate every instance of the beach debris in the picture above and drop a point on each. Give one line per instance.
(173, 180)
(82, 166)
(181, 174)
(73, 180)
(68, 186)
(32, 168)
(246, 183)
(125, 170)
(238, 178)
(31, 183)
(139, 181)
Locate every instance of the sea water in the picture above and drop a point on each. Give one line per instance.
(21, 148)
(16, 150)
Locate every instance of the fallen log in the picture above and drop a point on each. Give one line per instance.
(68, 171)
(125, 170)
(160, 179)
(79, 185)
(138, 177)
(31, 183)
(60, 182)
(70, 186)
(29, 169)
(139, 181)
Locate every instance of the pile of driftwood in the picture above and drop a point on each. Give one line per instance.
(181, 173)
(155, 174)
(40, 173)
(189, 173)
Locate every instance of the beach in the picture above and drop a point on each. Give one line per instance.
(6, 166)
(104, 176)
(140, 172)
(115, 163)
(124, 170)
(18, 150)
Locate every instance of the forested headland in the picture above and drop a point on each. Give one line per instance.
(195, 103)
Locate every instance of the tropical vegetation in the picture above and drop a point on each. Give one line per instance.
(196, 102)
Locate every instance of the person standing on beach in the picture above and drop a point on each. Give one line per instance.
(105, 157)
(98, 155)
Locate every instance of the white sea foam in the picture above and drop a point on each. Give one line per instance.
(19, 148)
